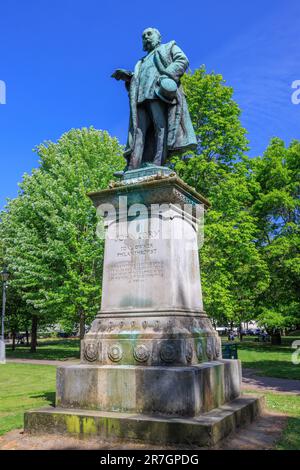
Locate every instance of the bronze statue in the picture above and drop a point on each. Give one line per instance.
(160, 124)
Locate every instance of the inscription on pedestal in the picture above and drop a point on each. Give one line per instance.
(136, 272)
(136, 249)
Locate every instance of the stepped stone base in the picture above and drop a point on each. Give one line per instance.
(177, 391)
(204, 430)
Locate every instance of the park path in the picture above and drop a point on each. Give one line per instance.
(272, 384)
(251, 380)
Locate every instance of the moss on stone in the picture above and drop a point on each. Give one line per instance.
(72, 424)
(89, 426)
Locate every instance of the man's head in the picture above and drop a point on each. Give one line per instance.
(151, 39)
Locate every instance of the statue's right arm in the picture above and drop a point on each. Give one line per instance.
(122, 74)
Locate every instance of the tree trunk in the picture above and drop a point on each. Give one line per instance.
(27, 337)
(81, 326)
(34, 324)
(13, 340)
(276, 339)
(241, 332)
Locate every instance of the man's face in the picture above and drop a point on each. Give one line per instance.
(151, 39)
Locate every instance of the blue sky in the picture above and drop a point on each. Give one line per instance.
(56, 58)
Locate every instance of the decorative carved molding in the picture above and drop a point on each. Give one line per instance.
(210, 346)
(115, 352)
(91, 352)
(218, 348)
(141, 353)
(199, 351)
(168, 353)
(189, 353)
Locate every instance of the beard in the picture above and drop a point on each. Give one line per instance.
(150, 44)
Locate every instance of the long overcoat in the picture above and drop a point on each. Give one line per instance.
(170, 61)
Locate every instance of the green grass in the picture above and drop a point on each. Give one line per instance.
(23, 387)
(290, 405)
(52, 349)
(268, 360)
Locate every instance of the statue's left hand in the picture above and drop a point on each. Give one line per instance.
(160, 79)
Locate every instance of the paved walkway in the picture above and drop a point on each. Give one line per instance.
(272, 384)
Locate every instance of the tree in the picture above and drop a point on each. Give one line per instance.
(16, 314)
(215, 117)
(49, 230)
(234, 273)
(276, 208)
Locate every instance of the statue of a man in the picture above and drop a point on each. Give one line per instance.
(160, 124)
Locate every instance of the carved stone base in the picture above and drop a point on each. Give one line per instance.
(171, 338)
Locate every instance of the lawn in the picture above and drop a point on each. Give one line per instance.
(51, 348)
(272, 361)
(289, 405)
(23, 387)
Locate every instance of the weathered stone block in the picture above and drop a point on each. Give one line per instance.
(178, 391)
(204, 430)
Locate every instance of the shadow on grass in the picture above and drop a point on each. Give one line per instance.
(274, 368)
(45, 354)
(50, 349)
(263, 347)
(48, 396)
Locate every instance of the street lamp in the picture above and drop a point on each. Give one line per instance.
(4, 276)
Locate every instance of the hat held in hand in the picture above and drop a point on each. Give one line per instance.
(167, 90)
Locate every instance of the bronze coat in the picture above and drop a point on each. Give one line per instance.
(170, 61)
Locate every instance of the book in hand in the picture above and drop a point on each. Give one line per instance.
(121, 74)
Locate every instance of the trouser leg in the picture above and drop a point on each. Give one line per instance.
(143, 122)
(158, 111)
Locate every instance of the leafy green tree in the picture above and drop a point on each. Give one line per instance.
(277, 209)
(16, 314)
(234, 273)
(215, 117)
(49, 230)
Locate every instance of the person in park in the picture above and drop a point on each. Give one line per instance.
(231, 336)
(160, 123)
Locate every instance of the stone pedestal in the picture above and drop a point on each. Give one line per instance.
(151, 351)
